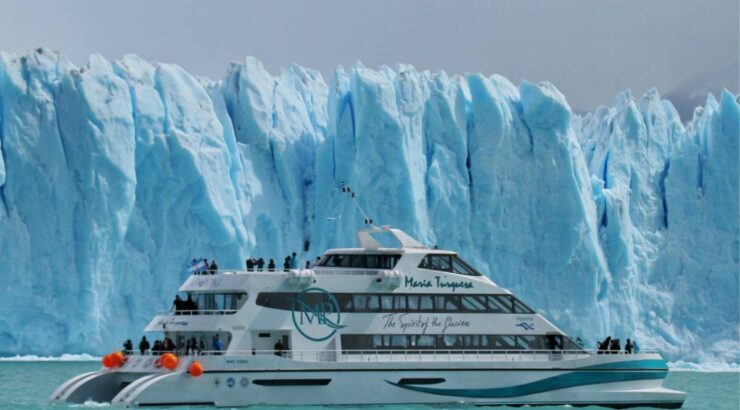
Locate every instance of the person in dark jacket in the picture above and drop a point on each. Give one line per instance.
(128, 347)
(271, 266)
(189, 305)
(286, 264)
(143, 345)
(260, 264)
(214, 268)
(177, 304)
(250, 264)
(628, 347)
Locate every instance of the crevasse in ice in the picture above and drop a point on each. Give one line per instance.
(113, 176)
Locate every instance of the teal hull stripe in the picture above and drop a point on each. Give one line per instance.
(629, 365)
(623, 371)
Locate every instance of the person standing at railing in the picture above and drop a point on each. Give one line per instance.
(143, 345)
(318, 259)
(250, 264)
(635, 347)
(214, 267)
(294, 261)
(260, 264)
(628, 347)
(177, 304)
(190, 306)
(271, 266)
(128, 347)
(286, 264)
(308, 264)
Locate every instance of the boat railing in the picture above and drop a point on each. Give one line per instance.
(197, 312)
(317, 270)
(419, 355)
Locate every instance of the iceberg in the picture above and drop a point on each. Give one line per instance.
(114, 175)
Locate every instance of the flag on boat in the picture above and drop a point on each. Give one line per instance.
(198, 266)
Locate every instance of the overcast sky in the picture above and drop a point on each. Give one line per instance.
(589, 49)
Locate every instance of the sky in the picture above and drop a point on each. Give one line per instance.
(590, 50)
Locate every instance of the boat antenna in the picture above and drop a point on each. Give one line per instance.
(353, 196)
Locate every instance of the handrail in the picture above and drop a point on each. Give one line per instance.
(319, 270)
(197, 312)
(416, 355)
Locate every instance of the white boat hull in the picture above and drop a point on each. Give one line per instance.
(597, 380)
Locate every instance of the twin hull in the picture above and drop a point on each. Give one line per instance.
(615, 381)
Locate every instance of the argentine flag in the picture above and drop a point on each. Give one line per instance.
(198, 266)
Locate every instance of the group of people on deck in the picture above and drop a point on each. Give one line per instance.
(614, 346)
(290, 262)
(184, 307)
(201, 267)
(191, 346)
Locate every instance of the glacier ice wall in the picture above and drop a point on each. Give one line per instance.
(114, 175)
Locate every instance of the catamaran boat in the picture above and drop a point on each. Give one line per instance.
(368, 325)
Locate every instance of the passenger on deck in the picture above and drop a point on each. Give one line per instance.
(278, 348)
(218, 345)
(293, 261)
(250, 264)
(604, 346)
(628, 347)
(260, 264)
(143, 345)
(189, 305)
(308, 264)
(286, 264)
(318, 259)
(614, 346)
(169, 345)
(157, 348)
(635, 347)
(214, 268)
(177, 304)
(271, 266)
(128, 347)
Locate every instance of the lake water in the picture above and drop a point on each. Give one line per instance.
(27, 385)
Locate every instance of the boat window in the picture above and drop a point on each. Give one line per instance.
(361, 261)
(214, 303)
(386, 302)
(382, 303)
(475, 303)
(454, 342)
(425, 303)
(447, 263)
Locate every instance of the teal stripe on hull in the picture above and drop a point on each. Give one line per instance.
(615, 372)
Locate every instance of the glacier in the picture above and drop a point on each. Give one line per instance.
(114, 175)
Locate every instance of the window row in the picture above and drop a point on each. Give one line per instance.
(457, 342)
(399, 303)
(448, 263)
(216, 301)
(360, 261)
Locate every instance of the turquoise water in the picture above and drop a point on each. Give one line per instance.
(27, 385)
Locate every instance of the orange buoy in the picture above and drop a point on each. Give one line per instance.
(170, 361)
(107, 361)
(196, 369)
(116, 358)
